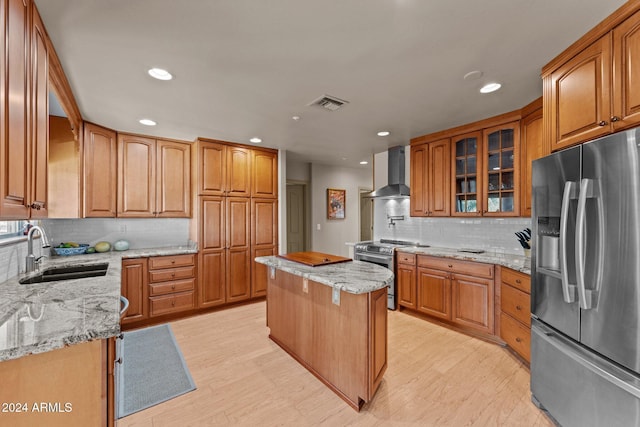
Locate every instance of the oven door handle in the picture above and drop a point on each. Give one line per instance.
(374, 258)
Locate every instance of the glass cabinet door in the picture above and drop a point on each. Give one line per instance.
(500, 157)
(466, 150)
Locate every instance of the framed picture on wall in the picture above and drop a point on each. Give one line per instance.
(336, 203)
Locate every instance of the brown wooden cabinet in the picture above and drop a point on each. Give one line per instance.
(264, 174)
(515, 311)
(24, 93)
(531, 148)
(434, 292)
(154, 177)
(473, 304)
(500, 177)
(210, 168)
(134, 288)
(430, 178)
(238, 262)
(590, 89)
(264, 241)
(100, 171)
(212, 245)
(466, 174)
(238, 171)
(171, 284)
(406, 279)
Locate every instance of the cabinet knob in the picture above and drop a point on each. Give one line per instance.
(119, 360)
(173, 287)
(450, 265)
(173, 261)
(173, 303)
(173, 274)
(615, 118)
(518, 307)
(602, 123)
(518, 339)
(518, 281)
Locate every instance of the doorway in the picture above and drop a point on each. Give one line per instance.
(366, 215)
(296, 217)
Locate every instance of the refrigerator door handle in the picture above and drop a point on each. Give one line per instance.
(568, 289)
(587, 298)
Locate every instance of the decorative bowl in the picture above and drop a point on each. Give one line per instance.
(71, 251)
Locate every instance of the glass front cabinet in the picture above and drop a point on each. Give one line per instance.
(500, 163)
(467, 180)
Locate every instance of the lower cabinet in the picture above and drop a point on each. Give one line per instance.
(515, 311)
(134, 288)
(458, 292)
(171, 284)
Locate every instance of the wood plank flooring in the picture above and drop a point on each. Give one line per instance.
(436, 377)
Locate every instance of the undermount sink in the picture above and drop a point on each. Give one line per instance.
(54, 274)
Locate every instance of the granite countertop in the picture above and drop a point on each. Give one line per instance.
(355, 277)
(515, 262)
(42, 317)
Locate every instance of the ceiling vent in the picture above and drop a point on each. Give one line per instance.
(327, 102)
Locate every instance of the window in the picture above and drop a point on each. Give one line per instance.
(12, 228)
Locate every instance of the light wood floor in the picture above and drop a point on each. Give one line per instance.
(436, 377)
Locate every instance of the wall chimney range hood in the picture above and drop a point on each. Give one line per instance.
(395, 187)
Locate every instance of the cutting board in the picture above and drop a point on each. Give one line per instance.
(314, 259)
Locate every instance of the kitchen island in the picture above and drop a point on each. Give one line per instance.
(333, 320)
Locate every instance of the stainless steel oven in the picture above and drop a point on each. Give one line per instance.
(382, 253)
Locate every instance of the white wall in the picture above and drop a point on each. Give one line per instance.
(298, 171)
(333, 234)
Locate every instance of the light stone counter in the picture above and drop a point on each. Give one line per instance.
(355, 277)
(515, 262)
(46, 316)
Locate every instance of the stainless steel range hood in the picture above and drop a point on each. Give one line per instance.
(395, 187)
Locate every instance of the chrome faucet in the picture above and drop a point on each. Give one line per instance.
(31, 259)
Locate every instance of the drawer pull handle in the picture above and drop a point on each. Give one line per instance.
(518, 281)
(173, 261)
(518, 307)
(174, 286)
(173, 274)
(450, 265)
(518, 339)
(173, 303)
(602, 123)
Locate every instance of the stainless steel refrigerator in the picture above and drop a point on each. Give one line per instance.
(585, 297)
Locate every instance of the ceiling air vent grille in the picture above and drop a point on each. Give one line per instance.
(330, 103)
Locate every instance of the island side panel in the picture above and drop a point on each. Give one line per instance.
(378, 349)
(332, 341)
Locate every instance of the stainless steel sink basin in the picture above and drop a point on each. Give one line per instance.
(54, 274)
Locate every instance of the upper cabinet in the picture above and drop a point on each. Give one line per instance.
(501, 170)
(18, 151)
(154, 177)
(430, 177)
(531, 148)
(592, 89)
(100, 171)
(226, 169)
(467, 179)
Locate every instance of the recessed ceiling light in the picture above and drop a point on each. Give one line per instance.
(296, 118)
(383, 133)
(255, 140)
(490, 87)
(147, 122)
(364, 162)
(160, 74)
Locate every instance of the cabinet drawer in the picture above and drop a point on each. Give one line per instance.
(516, 303)
(516, 279)
(171, 303)
(404, 258)
(476, 269)
(171, 261)
(171, 274)
(516, 336)
(156, 289)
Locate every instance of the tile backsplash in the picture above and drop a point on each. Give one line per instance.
(489, 234)
(139, 232)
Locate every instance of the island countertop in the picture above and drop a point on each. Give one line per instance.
(355, 277)
(42, 317)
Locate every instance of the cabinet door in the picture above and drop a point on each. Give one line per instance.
(434, 293)
(264, 222)
(238, 171)
(136, 176)
(531, 149)
(212, 170)
(406, 277)
(212, 217)
(264, 174)
(439, 179)
(259, 272)
(134, 288)
(238, 265)
(211, 278)
(418, 178)
(39, 118)
(467, 178)
(100, 171)
(14, 138)
(579, 101)
(501, 170)
(173, 182)
(473, 302)
(626, 77)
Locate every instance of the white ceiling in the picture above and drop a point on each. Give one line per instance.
(243, 68)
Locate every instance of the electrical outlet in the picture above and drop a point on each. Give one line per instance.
(318, 227)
